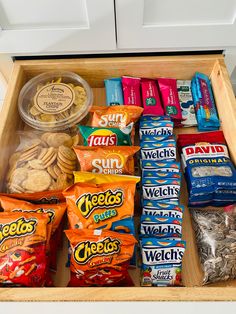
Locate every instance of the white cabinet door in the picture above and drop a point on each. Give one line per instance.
(56, 26)
(172, 25)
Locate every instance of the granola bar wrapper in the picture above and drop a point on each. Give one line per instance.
(131, 91)
(114, 93)
(151, 98)
(170, 100)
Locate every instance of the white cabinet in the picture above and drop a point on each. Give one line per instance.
(29, 27)
(175, 25)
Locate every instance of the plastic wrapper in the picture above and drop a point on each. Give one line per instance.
(215, 233)
(41, 162)
(100, 258)
(114, 93)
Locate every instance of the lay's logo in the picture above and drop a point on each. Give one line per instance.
(18, 228)
(108, 199)
(86, 250)
(102, 138)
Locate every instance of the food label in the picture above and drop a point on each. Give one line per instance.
(18, 228)
(87, 250)
(87, 203)
(54, 98)
(102, 140)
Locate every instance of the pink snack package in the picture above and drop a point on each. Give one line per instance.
(131, 91)
(230, 209)
(151, 99)
(170, 99)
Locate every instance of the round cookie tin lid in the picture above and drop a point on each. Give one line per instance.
(55, 101)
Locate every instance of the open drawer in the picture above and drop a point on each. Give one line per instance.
(95, 71)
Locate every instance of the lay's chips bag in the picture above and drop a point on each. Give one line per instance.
(97, 136)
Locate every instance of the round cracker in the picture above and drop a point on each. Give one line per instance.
(50, 152)
(32, 144)
(45, 136)
(42, 153)
(57, 170)
(50, 161)
(65, 170)
(19, 175)
(58, 139)
(51, 171)
(67, 152)
(63, 160)
(36, 164)
(69, 167)
(62, 182)
(37, 181)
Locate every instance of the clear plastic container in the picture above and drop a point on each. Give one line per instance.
(55, 101)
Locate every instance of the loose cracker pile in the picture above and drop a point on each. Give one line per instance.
(46, 163)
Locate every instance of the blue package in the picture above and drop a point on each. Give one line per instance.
(165, 204)
(159, 151)
(166, 166)
(114, 93)
(162, 225)
(151, 138)
(160, 128)
(160, 175)
(209, 172)
(172, 211)
(126, 226)
(147, 118)
(156, 189)
(161, 262)
(153, 143)
(204, 103)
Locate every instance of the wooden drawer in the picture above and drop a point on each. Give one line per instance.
(95, 71)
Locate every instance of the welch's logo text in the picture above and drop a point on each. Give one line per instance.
(161, 192)
(159, 153)
(156, 131)
(154, 256)
(153, 228)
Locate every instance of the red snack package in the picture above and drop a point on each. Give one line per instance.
(23, 246)
(100, 258)
(170, 99)
(55, 213)
(151, 99)
(131, 90)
